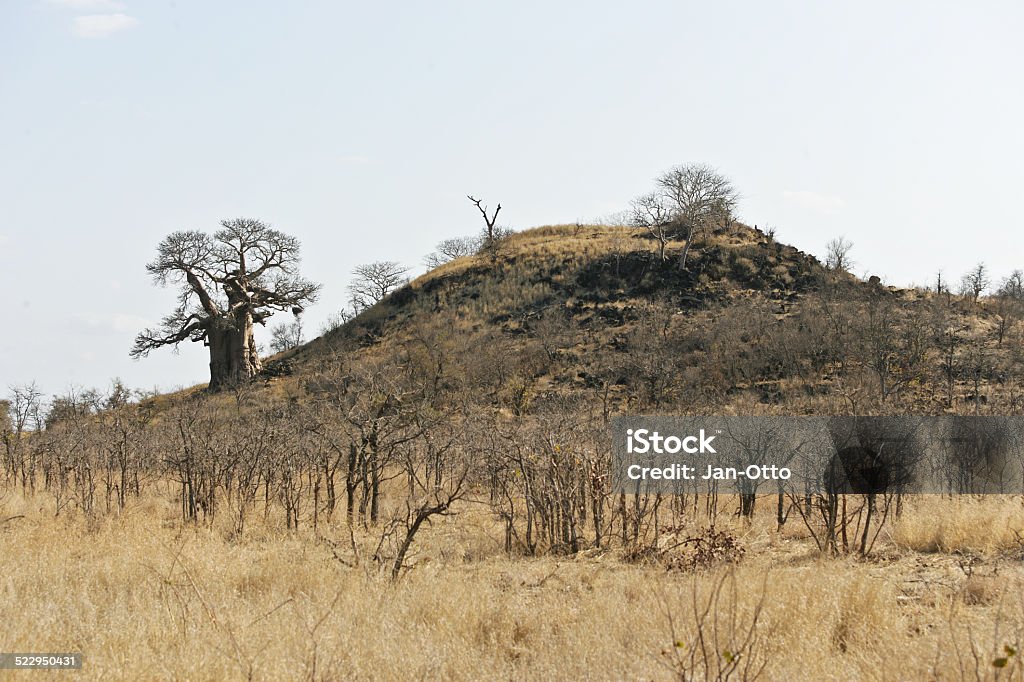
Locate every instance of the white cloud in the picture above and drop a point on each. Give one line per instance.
(355, 158)
(829, 204)
(89, 5)
(102, 25)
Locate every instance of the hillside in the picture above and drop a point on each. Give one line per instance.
(752, 325)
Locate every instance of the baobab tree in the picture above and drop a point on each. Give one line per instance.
(229, 281)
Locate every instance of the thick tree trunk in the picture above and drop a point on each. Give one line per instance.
(233, 355)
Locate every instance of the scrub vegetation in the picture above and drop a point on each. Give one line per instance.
(423, 491)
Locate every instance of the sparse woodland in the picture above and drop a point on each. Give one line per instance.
(423, 491)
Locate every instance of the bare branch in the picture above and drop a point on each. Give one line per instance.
(237, 278)
(374, 281)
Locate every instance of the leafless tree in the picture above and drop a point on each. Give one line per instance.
(73, 404)
(948, 337)
(1009, 303)
(374, 281)
(434, 501)
(975, 282)
(237, 278)
(554, 330)
(5, 416)
(614, 219)
(977, 366)
(700, 197)
(1013, 286)
(762, 440)
(23, 412)
(491, 232)
(287, 335)
(894, 349)
(382, 414)
(689, 199)
(650, 362)
(452, 249)
(620, 244)
(25, 407)
(837, 254)
(651, 212)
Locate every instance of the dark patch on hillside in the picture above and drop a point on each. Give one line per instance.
(597, 290)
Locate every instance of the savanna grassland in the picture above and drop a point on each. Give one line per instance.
(423, 492)
(146, 597)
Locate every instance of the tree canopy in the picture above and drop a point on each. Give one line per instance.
(228, 281)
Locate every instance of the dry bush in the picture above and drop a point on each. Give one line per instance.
(721, 638)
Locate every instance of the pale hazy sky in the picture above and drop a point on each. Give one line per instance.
(360, 127)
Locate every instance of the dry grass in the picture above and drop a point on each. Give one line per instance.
(144, 598)
(968, 525)
(551, 243)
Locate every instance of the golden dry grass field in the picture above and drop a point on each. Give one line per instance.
(144, 597)
(203, 536)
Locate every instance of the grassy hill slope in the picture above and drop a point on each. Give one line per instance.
(752, 325)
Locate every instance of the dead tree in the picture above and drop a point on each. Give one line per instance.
(491, 233)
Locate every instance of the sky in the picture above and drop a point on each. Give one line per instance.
(360, 128)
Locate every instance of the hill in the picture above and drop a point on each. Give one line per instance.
(751, 325)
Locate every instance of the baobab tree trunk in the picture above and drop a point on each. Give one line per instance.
(233, 355)
(256, 269)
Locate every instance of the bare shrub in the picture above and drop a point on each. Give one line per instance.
(837, 254)
(718, 637)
